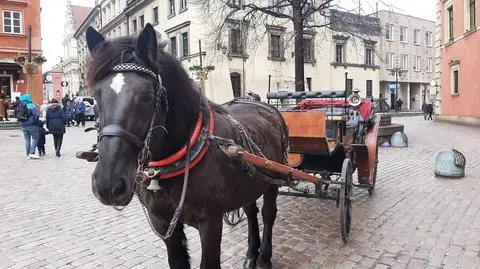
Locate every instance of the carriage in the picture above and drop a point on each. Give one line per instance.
(331, 136)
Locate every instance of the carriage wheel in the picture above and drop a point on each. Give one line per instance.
(345, 199)
(234, 217)
(371, 189)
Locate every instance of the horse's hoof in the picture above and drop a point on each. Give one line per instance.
(267, 265)
(249, 263)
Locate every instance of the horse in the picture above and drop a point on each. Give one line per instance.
(156, 129)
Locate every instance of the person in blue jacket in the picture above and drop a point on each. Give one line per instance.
(30, 127)
(80, 112)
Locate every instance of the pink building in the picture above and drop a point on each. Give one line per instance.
(458, 46)
(52, 83)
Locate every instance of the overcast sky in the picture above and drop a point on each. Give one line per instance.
(53, 18)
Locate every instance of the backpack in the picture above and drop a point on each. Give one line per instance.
(22, 112)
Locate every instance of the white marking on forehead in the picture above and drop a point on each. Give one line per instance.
(117, 83)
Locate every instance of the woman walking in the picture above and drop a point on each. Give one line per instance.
(56, 124)
(29, 125)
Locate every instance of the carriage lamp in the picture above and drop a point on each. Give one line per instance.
(354, 99)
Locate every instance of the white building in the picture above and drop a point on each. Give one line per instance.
(406, 44)
(240, 66)
(75, 15)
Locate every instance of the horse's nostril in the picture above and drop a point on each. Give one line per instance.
(120, 188)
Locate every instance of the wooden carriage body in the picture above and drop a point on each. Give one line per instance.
(324, 130)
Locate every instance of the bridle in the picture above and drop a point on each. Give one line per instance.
(115, 130)
(160, 106)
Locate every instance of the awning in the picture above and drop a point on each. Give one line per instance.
(9, 65)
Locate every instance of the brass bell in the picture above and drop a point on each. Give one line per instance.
(154, 186)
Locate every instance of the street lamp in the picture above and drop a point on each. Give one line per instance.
(397, 72)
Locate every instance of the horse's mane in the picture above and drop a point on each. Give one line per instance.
(182, 96)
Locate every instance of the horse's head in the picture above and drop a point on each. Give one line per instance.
(124, 75)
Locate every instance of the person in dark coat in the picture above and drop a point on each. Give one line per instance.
(55, 124)
(41, 138)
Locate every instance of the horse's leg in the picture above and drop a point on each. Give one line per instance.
(211, 239)
(251, 211)
(176, 244)
(269, 213)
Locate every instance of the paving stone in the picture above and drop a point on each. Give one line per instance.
(50, 218)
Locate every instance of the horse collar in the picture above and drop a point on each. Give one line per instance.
(175, 164)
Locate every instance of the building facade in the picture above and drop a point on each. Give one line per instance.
(52, 83)
(18, 17)
(408, 57)
(75, 15)
(459, 46)
(241, 66)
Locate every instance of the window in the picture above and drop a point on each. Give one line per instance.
(349, 86)
(155, 15)
(428, 39)
(171, 7)
(185, 44)
(369, 56)
(404, 62)
(429, 64)
(235, 3)
(183, 4)
(276, 43)
(309, 84)
(416, 63)
(142, 21)
(369, 88)
(134, 26)
(455, 89)
(339, 53)
(450, 23)
(275, 48)
(403, 34)
(235, 41)
(173, 46)
(12, 22)
(471, 14)
(389, 32)
(308, 50)
(416, 36)
(390, 61)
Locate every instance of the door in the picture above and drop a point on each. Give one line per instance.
(235, 78)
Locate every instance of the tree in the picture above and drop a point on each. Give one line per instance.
(304, 15)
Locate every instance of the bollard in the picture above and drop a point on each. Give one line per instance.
(450, 163)
(399, 140)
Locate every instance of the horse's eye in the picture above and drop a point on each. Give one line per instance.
(146, 98)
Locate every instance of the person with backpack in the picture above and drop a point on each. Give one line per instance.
(28, 116)
(80, 112)
(55, 124)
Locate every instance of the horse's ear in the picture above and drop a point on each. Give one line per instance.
(147, 43)
(93, 39)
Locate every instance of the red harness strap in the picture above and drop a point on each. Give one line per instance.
(181, 153)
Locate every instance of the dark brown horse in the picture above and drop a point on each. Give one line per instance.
(148, 111)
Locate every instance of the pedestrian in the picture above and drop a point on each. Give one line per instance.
(43, 109)
(55, 125)
(424, 109)
(28, 117)
(399, 104)
(80, 112)
(41, 138)
(3, 107)
(430, 111)
(15, 105)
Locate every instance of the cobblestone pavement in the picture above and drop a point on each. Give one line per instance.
(50, 219)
